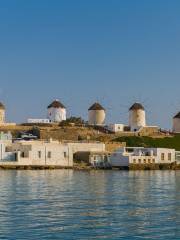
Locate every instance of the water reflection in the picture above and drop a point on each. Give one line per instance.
(66, 204)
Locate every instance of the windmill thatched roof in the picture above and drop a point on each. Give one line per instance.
(56, 104)
(136, 106)
(96, 106)
(2, 106)
(177, 115)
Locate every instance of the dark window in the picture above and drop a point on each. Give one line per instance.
(49, 154)
(39, 154)
(23, 155)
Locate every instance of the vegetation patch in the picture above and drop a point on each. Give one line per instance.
(167, 142)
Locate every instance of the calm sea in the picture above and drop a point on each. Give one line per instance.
(66, 204)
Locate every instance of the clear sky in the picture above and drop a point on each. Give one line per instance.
(81, 51)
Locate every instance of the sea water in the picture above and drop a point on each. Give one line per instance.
(67, 204)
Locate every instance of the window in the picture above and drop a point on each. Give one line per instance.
(134, 160)
(65, 155)
(39, 154)
(49, 154)
(162, 156)
(139, 160)
(153, 160)
(144, 160)
(169, 156)
(23, 154)
(149, 161)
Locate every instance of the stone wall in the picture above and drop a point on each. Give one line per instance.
(113, 146)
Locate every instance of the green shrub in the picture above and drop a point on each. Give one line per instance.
(167, 142)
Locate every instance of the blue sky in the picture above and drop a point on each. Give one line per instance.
(112, 51)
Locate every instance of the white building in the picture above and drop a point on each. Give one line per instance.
(176, 123)
(5, 155)
(56, 112)
(43, 153)
(100, 159)
(5, 136)
(38, 120)
(124, 157)
(2, 113)
(137, 117)
(3, 116)
(116, 127)
(96, 115)
(178, 157)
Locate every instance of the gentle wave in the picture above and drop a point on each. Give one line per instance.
(67, 204)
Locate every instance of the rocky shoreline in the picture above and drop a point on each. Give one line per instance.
(85, 167)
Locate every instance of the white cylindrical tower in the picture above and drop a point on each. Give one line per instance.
(137, 117)
(176, 123)
(2, 113)
(56, 111)
(97, 114)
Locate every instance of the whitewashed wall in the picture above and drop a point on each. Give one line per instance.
(57, 114)
(137, 119)
(176, 125)
(2, 116)
(96, 117)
